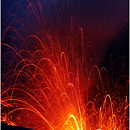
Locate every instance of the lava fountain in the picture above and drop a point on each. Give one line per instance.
(49, 84)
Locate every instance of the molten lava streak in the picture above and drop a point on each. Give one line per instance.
(47, 84)
(45, 91)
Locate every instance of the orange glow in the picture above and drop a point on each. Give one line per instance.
(51, 85)
(52, 96)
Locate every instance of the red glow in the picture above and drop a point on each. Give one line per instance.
(58, 86)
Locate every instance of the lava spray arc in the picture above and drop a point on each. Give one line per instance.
(54, 84)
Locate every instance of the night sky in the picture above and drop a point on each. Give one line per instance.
(101, 20)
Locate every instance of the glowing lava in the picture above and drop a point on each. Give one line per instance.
(47, 84)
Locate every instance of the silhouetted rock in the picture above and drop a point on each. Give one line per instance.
(4, 126)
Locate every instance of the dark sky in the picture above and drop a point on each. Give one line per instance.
(100, 19)
(94, 11)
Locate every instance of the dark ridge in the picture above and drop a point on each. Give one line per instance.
(4, 126)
